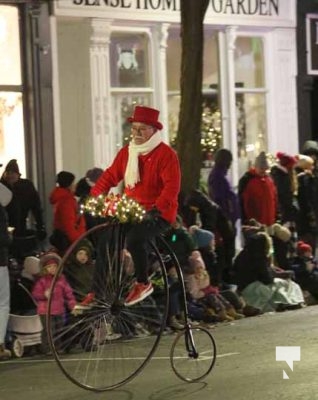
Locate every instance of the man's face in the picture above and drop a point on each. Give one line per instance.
(141, 133)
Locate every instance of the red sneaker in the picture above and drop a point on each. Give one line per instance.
(88, 299)
(138, 293)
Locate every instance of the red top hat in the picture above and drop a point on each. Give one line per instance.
(146, 115)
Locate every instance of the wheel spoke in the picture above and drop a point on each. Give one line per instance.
(107, 344)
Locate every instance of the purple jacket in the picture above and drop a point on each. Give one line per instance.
(221, 192)
(62, 295)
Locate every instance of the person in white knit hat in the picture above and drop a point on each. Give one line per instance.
(22, 302)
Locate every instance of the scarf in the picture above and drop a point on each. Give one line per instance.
(134, 150)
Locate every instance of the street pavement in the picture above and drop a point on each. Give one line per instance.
(246, 367)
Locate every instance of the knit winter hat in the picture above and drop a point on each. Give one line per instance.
(84, 245)
(65, 179)
(92, 175)
(49, 258)
(303, 247)
(31, 265)
(310, 147)
(304, 162)
(202, 237)
(281, 232)
(261, 161)
(12, 166)
(286, 160)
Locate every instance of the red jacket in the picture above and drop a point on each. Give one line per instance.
(159, 183)
(260, 199)
(66, 215)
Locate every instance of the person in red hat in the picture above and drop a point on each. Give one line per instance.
(305, 268)
(150, 171)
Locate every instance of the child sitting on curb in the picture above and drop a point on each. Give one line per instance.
(200, 288)
(306, 271)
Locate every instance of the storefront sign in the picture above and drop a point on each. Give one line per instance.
(243, 7)
(246, 12)
(312, 43)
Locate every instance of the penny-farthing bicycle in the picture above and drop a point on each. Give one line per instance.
(108, 344)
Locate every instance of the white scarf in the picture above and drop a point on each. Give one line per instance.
(134, 150)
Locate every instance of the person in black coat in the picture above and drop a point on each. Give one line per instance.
(212, 219)
(308, 197)
(25, 200)
(305, 269)
(253, 263)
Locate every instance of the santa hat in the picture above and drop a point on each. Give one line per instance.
(286, 160)
(303, 247)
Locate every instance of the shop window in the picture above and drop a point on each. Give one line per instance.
(211, 134)
(129, 60)
(251, 128)
(250, 100)
(11, 95)
(130, 71)
(10, 65)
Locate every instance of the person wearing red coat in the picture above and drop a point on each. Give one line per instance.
(259, 196)
(151, 174)
(68, 223)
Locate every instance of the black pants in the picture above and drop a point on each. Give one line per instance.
(137, 238)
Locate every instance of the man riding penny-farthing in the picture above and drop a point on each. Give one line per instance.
(123, 299)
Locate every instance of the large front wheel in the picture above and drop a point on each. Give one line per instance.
(107, 343)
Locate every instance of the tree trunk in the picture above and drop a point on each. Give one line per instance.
(189, 129)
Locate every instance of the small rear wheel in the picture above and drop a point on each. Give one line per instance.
(193, 354)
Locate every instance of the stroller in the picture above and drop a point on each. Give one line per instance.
(24, 325)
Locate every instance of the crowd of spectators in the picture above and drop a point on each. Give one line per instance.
(275, 268)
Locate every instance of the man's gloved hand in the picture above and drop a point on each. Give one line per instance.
(41, 233)
(152, 215)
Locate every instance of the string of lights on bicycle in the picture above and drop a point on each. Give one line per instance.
(115, 207)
